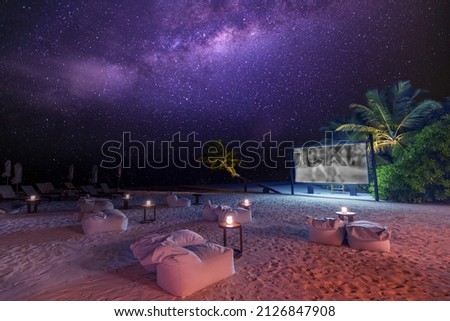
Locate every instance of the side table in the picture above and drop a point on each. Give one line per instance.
(246, 204)
(126, 201)
(32, 204)
(223, 225)
(347, 216)
(147, 207)
(197, 198)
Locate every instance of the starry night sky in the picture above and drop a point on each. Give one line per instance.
(75, 74)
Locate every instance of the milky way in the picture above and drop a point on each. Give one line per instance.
(78, 73)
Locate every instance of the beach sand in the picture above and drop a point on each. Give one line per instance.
(46, 256)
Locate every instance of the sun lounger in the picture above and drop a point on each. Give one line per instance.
(48, 190)
(108, 191)
(29, 191)
(92, 191)
(7, 193)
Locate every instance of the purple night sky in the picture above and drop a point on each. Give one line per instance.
(78, 73)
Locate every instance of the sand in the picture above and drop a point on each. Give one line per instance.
(46, 256)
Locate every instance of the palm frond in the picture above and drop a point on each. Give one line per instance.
(382, 116)
(416, 118)
(356, 128)
(400, 99)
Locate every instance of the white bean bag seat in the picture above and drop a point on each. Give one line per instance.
(175, 201)
(370, 236)
(104, 221)
(185, 270)
(208, 212)
(143, 249)
(182, 268)
(328, 231)
(93, 204)
(239, 215)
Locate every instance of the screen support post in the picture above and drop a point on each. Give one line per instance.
(374, 168)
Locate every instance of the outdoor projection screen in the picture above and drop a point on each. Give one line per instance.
(343, 164)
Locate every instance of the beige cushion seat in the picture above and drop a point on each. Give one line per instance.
(175, 201)
(104, 221)
(329, 231)
(370, 236)
(184, 261)
(219, 213)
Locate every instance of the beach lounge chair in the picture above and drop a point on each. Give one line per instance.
(10, 201)
(7, 193)
(72, 188)
(48, 190)
(29, 191)
(108, 191)
(92, 191)
(71, 191)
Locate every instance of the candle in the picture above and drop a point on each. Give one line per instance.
(344, 210)
(229, 220)
(33, 197)
(149, 203)
(246, 201)
(127, 196)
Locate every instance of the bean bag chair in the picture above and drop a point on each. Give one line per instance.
(104, 221)
(328, 231)
(93, 204)
(184, 270)
(143, 249)
(175, 201)
(208, 212)
(184, 261)
(239, 215)
(370, 236)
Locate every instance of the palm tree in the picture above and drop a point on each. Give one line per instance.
(392, 116)
(219, 158)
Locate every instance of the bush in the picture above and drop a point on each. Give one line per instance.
(422, 173)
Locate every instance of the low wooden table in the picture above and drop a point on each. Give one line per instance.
(126, 203)
(197, 198)
(147, 207)
(347, 216)
(32, 204)
(223, 225)
(246, 205)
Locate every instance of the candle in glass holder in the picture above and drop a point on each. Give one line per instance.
(229, 220)
(246, 202)
(32, 197)
(127, 196)
(343, 209)
(148, 203)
